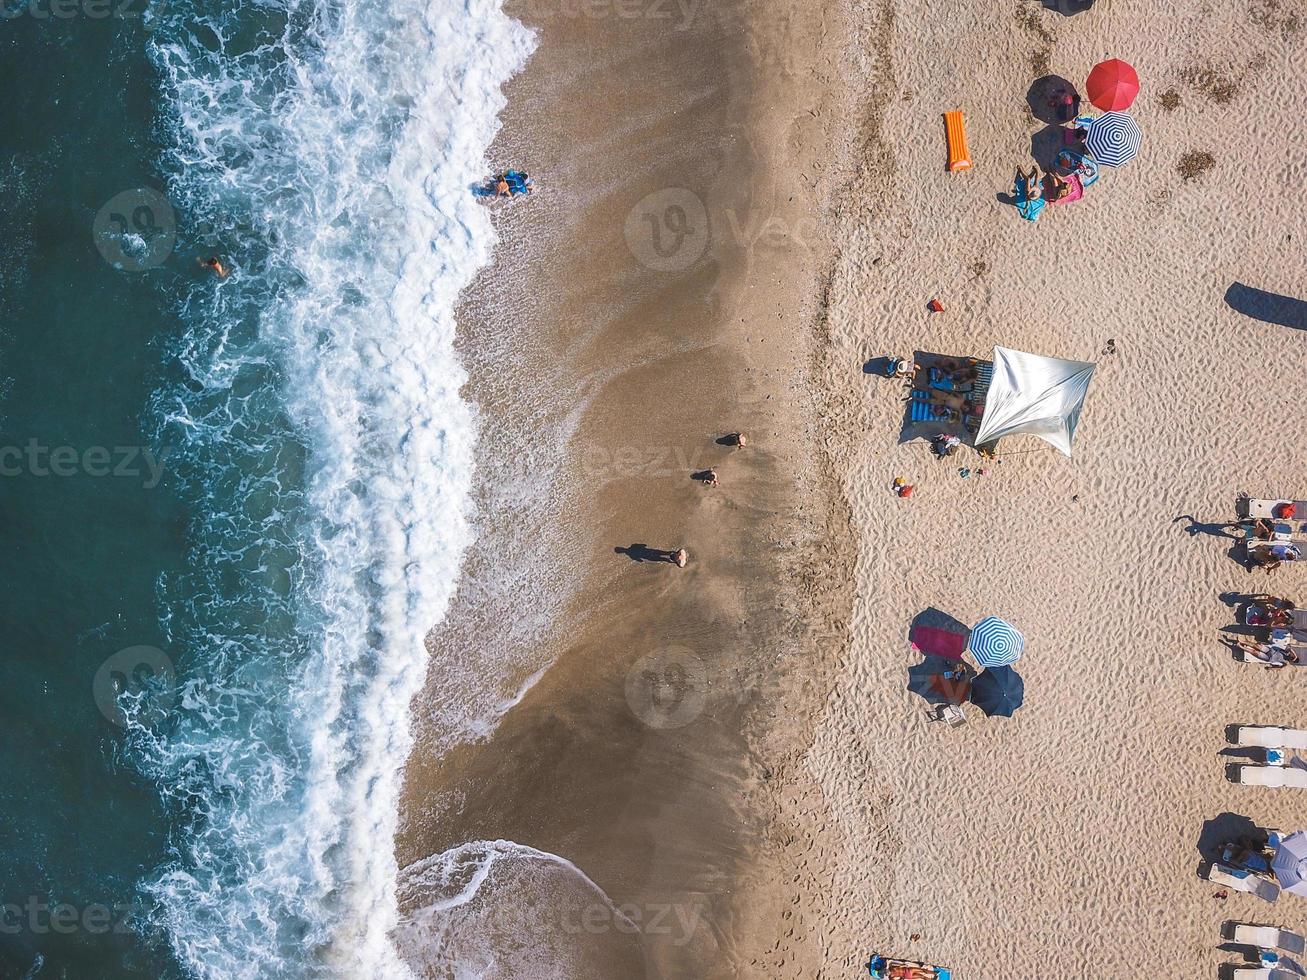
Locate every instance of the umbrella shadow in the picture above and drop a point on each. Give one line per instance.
(1284, 311)
(1224, 829)
(1047, 99)
(1046, 144)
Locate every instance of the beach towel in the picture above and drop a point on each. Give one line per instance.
(1076, 192)
(939, 642)
(1027, 208)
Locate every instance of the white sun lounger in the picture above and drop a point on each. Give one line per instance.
(1270, 737)
(1278, 776)
(1268, 937)
(1298, 650)
(1262, 973)
(1266, 508)
(1244, 881)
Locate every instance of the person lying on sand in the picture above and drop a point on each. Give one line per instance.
(1029, 183)
(1268, 653)
(897, 972)
(1263, 529)
(1058, 188)
(1273, 557)
(945, 444)
(501, 187)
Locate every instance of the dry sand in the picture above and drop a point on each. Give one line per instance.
(1066, 840)
(801, 811)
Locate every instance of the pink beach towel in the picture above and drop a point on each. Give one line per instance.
(938, 642)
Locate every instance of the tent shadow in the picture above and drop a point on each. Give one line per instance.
(1284, 311)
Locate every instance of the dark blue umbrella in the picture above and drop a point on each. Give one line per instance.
(998, 691)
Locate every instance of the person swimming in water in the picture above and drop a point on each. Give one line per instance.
(214, 264)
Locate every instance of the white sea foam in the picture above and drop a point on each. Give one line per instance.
(328, 149)
(498, 910)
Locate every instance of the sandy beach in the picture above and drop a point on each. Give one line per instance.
(718, 771)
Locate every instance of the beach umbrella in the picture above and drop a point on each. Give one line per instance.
(1290, 863)
(998, 691)
(996, 643)
(1114, 138)
(1113, 85)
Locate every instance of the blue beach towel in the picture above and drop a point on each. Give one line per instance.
(1027, 208)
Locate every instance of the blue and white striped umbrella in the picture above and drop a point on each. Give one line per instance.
(1114, 138)
(995, 643)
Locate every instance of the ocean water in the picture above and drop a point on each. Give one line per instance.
(211, 661)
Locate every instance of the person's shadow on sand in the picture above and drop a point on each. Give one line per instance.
(642, 552)
(1197, 527)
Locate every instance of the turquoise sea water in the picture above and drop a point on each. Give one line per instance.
(80, 358)
(234, 508)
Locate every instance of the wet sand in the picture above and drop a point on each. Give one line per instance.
(658, 293)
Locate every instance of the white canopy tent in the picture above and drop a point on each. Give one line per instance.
(1036, 396)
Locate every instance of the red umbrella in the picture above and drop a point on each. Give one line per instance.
(1113, 85)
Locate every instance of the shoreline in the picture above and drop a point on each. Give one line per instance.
(649, 749)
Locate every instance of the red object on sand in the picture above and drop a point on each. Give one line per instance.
(1113, 85)
(1286, 510)
(935, 306)
(938, 642)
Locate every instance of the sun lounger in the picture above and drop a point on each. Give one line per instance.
(1299, 651)
(1267, 937)
(1262, 973)
(1299, 618)
(959, 157)
(1281, 777)
(1270, 737)
(1257, 507)
(1243, 881)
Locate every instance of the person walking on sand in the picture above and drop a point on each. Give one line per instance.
(710, 478)
(681, 557)
(737, 439)
(214, 264)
